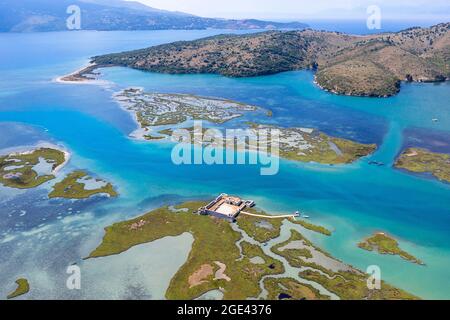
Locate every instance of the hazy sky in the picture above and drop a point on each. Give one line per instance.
(279, 9)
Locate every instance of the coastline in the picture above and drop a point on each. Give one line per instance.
(346, 94)
(79, 76)
(139, 132)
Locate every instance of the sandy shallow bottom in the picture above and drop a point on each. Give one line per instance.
(140, 273)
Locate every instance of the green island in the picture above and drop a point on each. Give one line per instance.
(74, 186)
(153, 110)
(370, 65)
(343, 280)
(420, 160)
(220, 258)
(384, 244)
(26, 170)
(23, 287)
(291, 289)
(157, 109)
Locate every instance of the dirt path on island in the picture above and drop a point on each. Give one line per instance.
(220, 274)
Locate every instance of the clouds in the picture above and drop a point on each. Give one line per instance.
(305, 8)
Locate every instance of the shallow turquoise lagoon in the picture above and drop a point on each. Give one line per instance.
(353, 200)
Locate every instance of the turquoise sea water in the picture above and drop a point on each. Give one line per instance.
(353, 200)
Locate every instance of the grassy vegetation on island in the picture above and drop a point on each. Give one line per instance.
(153, 110)
(17, 170)
(353, 286)
(424, 161)
(299, 255)
(345, 281)
(258, 228)
(23, 287)
(74, 187)
(158, 109)
(293, 255)
(321, 148)
(312, 227)
(299, 144)
(371, 65)
(384, 244)
(265, 229)
(214, 249)
(291, 289)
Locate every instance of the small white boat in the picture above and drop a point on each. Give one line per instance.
(305, 216)
(435, 120)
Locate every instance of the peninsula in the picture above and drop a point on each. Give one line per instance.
(370, 65)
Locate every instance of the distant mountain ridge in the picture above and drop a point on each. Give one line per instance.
(108, 15)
